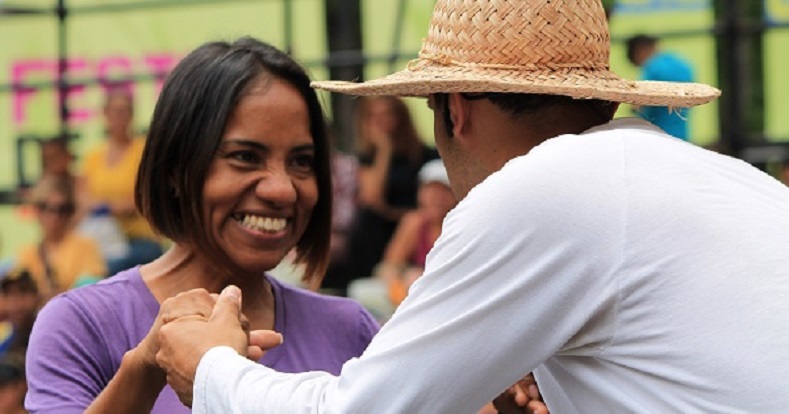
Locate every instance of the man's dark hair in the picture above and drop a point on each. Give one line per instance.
(189, 120)
(638, 42)
(518, 104)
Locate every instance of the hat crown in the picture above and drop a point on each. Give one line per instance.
(519, 34)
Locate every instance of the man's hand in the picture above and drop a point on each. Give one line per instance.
(184, 341)
(522, 397)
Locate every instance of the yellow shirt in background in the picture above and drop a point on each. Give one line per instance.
(115, 183)
(75, 256)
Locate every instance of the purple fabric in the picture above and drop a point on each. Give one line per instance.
(80, 337)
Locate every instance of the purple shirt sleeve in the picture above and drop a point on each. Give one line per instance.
(68, 363)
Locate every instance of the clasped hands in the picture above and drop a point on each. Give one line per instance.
(193, 322)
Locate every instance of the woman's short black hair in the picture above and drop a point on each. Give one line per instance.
(189, 120)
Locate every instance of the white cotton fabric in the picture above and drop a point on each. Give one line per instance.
(633, 272)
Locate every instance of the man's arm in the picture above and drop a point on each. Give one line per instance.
(495, 301)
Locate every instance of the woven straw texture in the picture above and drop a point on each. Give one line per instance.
(557, 47)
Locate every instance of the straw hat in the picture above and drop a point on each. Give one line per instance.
(555, 47)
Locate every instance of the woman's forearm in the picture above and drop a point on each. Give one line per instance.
(133, 389)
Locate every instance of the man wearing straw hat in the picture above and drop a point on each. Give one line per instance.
(631, 271)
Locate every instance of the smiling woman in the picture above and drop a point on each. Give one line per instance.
(235, 171)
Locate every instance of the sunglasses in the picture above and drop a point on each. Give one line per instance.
(59, 209)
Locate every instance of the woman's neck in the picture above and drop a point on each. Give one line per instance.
(120, 139)
(181, 269)
(52, 239)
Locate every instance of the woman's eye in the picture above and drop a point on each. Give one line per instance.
(246, 157)
(304, 162)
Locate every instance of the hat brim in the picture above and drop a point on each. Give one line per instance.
(429, 78)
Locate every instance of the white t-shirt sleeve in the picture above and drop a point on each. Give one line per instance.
(226, 382)
(525, 268)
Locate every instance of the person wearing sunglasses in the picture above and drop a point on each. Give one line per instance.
(61, 256)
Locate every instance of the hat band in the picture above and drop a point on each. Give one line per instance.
(443, 59)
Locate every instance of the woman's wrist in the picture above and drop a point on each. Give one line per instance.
(136, 362)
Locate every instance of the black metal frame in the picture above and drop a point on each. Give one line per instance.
(61, 11)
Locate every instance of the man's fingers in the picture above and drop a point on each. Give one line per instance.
(265, 339)
(537, 407)
(228, 306)
(520, 397)
(534, 392)
(254, 353)
(192, 302)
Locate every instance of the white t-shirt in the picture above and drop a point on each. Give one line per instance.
(633, 272)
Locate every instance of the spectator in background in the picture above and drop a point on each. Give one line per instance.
(418, 230)
(659, 65)
(345, 188)
(107, 184)
(56, 158)
(785, 173)
(12, 385)
(390, 155)
(19, 303)
(62, 257)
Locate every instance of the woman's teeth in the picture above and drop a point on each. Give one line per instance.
(265, 224)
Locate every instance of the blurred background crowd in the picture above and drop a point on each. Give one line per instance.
(80, 79)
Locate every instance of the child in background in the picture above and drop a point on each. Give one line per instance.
(404, 259)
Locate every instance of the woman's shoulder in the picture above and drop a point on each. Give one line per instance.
(26, 254)
(138, 144)
(295, 294)
(80, 242)
(331, 309)
(109, 296)
(96, 152)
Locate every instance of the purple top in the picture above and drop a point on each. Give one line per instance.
(79, 338)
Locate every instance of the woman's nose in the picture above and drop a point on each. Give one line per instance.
(277, 187)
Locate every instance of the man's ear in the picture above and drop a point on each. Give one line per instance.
(459, 111)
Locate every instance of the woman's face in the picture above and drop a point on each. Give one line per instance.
(436, 199)
(118, 114)
(54, 214)
(261, 187)
(380, 115)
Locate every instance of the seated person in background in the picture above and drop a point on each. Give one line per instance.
(12, 385)
(236, 172)
(56, 158)
(19, 302)
(390, 152)
(784, 173)
(62, 256)
(107, 186)
(405, 255)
